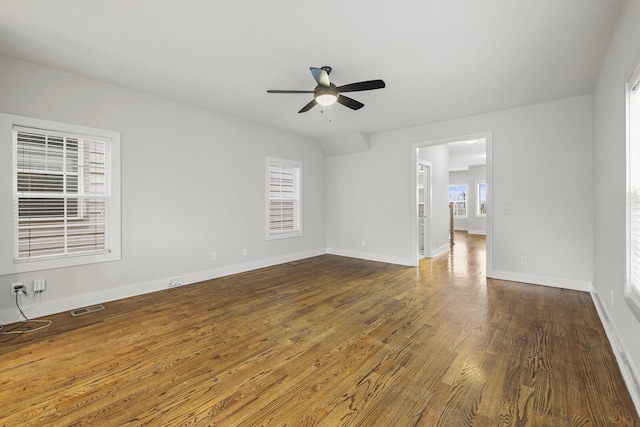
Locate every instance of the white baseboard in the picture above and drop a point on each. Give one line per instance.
(629, 371)
(46, 308)
(481, 232)
(439, 251)
(372, 257)
(554, 282)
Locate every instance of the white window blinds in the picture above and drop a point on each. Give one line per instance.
(634, 186)
(61, 194)
(283, 198)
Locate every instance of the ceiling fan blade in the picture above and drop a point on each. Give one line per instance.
(321, 76)
(309, 106)
(356, 87)
(348, 102)
(289, 91)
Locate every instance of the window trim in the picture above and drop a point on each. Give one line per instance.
(631, 296)
(269, 235)
(466, 200)
(477, 197)
(8, 263)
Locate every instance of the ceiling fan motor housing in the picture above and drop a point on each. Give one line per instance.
(323, 90)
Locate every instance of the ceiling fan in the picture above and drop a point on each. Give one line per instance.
(327, 93)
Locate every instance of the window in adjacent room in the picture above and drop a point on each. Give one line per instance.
(63, 208)
(481, 199)
(632, 291)
(284, 198)
(458, 195)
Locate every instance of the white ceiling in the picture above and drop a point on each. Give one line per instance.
(440, 59)
(463, 154)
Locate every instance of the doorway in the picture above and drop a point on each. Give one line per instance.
(432, 235)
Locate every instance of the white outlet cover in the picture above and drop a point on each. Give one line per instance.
(175, 282)
(508, 209)
(39, 285)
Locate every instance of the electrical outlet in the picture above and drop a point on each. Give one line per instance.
(524, 259)
(214, 256)
(39, 285)
(18, 288)
(363, 243)
(245, 252)
(177, 281)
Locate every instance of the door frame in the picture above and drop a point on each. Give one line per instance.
(414, 191)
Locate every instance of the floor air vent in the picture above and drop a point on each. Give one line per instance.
(86, 310)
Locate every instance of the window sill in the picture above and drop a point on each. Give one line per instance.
(61, 262)
(283, 235)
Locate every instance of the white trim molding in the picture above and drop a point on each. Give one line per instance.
(60, 305)
(480, 232)
(629, 371)
(554, 282)
(439, 251)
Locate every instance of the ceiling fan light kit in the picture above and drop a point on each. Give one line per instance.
(327, 93)
(325, 97)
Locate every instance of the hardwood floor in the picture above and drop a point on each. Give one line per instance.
(326, 341)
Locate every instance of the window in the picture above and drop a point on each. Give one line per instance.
(632, 288)
(458, 195)
(63, 211)
(481, 199)
(284, 199)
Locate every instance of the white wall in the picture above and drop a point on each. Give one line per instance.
(438, 223)
(609, 182)
(552, 227)
(477, 225)
(461, 177)
(360, 206)
(192, 183)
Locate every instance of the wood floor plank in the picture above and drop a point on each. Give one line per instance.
(326, 341)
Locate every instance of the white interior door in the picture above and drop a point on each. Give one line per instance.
(424, 208)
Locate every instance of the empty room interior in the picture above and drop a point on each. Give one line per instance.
(349, 213)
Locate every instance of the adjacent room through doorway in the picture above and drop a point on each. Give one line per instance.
(452, 180)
